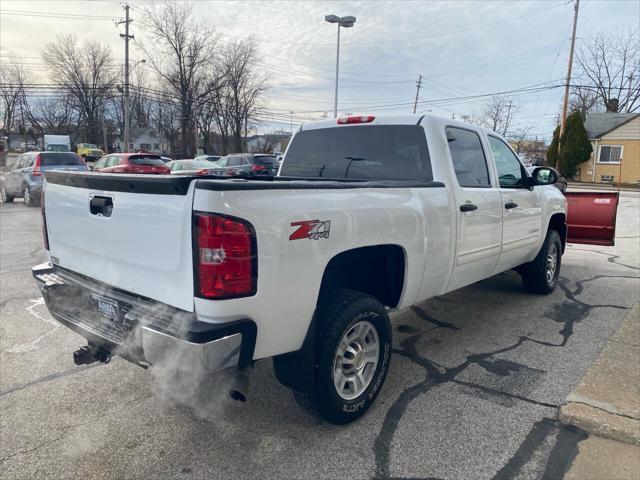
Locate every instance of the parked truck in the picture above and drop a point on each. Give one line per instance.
(57, 143)
(370, 214)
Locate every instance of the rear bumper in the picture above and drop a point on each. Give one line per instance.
(144, 331)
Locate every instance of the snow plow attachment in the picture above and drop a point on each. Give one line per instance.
(591, 217)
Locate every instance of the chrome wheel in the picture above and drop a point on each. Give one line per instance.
(356, 360)
(552, 263)
(3, 195)
(27, 196)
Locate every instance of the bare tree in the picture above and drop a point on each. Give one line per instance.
(53, 115)
(86, 74)
(13, 79)
(498, 115)
(583, 100)
(182, 54)
(610, 66)
(244, 88)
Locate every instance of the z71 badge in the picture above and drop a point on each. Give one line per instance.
(311, 229)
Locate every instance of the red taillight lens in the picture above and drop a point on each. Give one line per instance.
(202, 171)
(225, 257)
(45, 235)
(36, 167)
(258, 168)
(356, 119)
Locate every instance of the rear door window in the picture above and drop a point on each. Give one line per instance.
(264, 160)
(371, 152)
(56, 159)
(234, 161)
(469, 161)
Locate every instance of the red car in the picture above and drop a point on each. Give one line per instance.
(131, 163)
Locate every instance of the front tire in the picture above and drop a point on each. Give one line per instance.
(29, 199)
(541, 274)
(353, 350)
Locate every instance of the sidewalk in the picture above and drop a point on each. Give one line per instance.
(606, 404)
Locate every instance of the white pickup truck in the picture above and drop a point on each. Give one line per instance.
(368, 214)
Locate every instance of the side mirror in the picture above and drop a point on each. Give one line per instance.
(545, 176)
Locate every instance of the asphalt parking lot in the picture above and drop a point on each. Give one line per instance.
(472, 392)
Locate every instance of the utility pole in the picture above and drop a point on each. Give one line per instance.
(565, 102)
(126, 37)
(104, 137)
(418, 85)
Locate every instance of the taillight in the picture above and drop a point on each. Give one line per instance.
(45, 235)
(202, 171)
(37, 172)
(231, 172)
(258, 168)
(356, 119)
(225, 257)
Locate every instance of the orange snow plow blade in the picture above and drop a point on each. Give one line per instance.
(591, 217)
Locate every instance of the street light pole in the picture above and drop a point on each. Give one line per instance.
(346, 22)
(335, 100)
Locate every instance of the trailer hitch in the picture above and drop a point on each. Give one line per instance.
(90, 354)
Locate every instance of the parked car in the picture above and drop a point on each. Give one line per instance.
(23, 178)
(167, 159)
(210, 158)
(194, 167)
(249, 164)
(131, 163)
(561, 182)
(89, 151)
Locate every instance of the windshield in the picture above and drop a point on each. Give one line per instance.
(372, 152)
(264, 160)
(88, 145)
(57, 159)
(57, 148)
(152, 160)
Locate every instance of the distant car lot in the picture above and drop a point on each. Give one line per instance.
(472, 392)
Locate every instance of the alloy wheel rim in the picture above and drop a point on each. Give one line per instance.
(552, 263)
(356, 360)
(27, 196)
(3, 194)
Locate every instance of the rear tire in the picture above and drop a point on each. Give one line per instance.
(5, 197)
(353, 350)
(29, 199)
(541, 274)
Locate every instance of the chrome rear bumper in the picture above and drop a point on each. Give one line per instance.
(143, 331)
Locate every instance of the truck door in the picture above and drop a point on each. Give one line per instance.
(478, 209)
(521, 208)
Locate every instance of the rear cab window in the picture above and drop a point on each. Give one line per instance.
(264, 160)
(371, 152)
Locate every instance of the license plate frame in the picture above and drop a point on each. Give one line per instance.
(107, 307)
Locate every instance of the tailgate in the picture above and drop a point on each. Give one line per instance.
(130, 232)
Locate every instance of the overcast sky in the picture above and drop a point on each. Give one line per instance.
(462, 48)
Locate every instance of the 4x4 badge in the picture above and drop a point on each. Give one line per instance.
(311, 229)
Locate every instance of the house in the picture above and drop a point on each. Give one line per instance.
(615, 138)
(142, 139)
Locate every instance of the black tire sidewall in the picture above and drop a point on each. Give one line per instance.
(331, 406)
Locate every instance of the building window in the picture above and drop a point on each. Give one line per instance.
(156, 146)
(145, 147)
(606, 178)
(610, 154)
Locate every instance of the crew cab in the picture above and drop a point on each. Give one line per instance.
(369, 214)
(131, 163)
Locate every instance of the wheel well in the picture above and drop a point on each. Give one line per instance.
(377, 270)
(558, 222)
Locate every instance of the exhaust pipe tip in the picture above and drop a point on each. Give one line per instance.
(240, 386)
(91, 354)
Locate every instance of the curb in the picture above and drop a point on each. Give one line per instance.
(606, 403)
